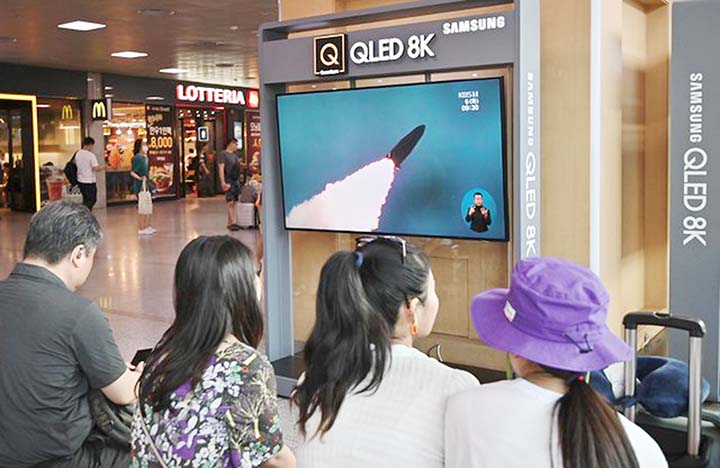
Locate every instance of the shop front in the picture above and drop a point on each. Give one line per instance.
(183, 124)
(41, 125)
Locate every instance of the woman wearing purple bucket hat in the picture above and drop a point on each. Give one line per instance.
(552, 322)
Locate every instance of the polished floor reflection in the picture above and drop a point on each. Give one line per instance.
(132, 278)
(133, 275)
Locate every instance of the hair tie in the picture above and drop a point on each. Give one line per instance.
(359, 259)
(582, 378)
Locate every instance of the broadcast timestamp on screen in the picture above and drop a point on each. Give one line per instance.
(469, 101)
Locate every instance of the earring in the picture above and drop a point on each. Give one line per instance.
(413, 330)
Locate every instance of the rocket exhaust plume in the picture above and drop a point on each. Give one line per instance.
(347, 204)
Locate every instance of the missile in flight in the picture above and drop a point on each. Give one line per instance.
(347, 204)
(405, 146)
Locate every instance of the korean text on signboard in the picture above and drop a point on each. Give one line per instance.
(161, 148)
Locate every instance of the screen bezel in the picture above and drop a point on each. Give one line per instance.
(505, 170)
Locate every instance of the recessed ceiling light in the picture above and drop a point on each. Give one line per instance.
(155, 12)
(43, 106)
(313, 86)
(474, 74)
(79, 25)
(7, 39)
(154, 98)
(173, 70)
(129, 54)
(108, 88)
(109, 95)
(234, 28)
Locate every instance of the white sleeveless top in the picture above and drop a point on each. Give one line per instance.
(508, 425)
(399, 425)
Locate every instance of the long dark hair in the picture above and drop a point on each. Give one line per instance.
(214, 295)
(590, 432)
(358, 300)
(137, 146)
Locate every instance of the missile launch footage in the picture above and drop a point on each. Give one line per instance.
(425, 160)
(328, 208)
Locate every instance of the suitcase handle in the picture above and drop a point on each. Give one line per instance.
(696, 330)
(694, 327)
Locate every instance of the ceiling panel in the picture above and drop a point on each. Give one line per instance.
(197, 37)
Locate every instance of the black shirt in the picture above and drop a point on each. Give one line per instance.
(478, 222)
(54, 347)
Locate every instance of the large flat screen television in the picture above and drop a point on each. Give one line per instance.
(422, 160)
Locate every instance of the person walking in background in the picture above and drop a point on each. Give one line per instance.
(206, 173)
(368, 398)
(140, 173)
(552, 322)
(229, 169)
(56, 346)
(87, 169)
(207, 396)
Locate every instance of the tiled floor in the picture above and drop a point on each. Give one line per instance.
(132, 277)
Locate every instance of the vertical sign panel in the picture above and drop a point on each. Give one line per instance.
(161, 148)
(527, 130)
(254, 140)
(695, 177)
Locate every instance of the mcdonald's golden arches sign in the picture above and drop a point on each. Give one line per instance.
(67, 112)
(100, 109)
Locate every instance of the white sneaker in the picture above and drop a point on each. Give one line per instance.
(151, 229)
(144, 232)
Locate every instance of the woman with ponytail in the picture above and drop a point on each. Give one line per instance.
(368, 398)
(552, 323)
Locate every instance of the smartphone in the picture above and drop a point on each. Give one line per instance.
(140, 356)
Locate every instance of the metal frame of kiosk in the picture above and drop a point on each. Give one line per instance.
(285, 60)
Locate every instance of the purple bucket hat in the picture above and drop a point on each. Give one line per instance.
(554, 314)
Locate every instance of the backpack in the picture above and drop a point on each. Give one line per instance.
(71, 171)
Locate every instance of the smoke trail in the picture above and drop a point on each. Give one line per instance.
(347, 205)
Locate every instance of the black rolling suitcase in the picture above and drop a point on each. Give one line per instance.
(692, 444)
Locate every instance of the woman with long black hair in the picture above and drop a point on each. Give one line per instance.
(552, 323)
(368, 398)
(206, 396)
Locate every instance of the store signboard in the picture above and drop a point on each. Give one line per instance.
(100, 109)
(254, 139)
(695, 179)
(424, 47)
(161, 148)
(207, 94)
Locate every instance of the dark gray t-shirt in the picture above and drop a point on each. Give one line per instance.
(232, 166)
(54, 347)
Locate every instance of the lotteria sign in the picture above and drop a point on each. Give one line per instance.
(194, 93)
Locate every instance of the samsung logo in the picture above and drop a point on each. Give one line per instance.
(474, 25)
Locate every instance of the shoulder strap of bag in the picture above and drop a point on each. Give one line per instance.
(151, 442)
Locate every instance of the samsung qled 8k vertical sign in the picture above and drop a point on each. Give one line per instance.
(695, 177)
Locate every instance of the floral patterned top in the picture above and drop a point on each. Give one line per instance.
(230, 418)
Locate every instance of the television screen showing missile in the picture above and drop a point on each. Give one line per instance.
(423, 160)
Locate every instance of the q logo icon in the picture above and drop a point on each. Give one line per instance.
(329, 55)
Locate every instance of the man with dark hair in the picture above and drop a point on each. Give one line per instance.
(55, 347)
(229, 169)
(87, 169)
(478, 215)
